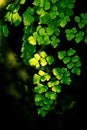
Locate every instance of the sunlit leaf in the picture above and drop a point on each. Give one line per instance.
(41, 72)
(37, 56)
(34, 62)
(22, 1)
(43, 62)
(43, 54)
(32, 40)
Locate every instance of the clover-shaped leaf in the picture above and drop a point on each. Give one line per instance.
(61, 54)
(43, 62)
(56, 88)
(40, 88)
(70, 65)
(71, 52)
(66, 60)
(76, 70)
(47, 5)
(75, 58)
(36, 79)
(32, 40)
(43, 54)
(50, 60)
(51, 95)
(66, 80)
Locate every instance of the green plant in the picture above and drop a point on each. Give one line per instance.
(42, 25)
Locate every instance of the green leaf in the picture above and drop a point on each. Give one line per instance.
(78, 39)
(47, 5)
(22, 1)
(78, 64)
(63, 23)
(67, 74)
(50, 84)
(70, 65)
(43, 54)
(46, 40)
(39, 97)
(75, 59)
(32, 40)
(51, 95)
(36, 79)
(41, 73)
(66, 60)
(53, 1)
(85, 40)
(71, 52)
(49, 31)
(56, 88)
(43, 62)
(61, 54)
(40, 40)
(16, 18)
(58, 74)
(5, 30)
(37, 56)
(77, 19)
(50, 60)
(70, 6)
(34, 62)
(40, 88)
(27, 16)
(76, 70)
(42, 112)
(66, 80)
(70, 36)
(42, 32)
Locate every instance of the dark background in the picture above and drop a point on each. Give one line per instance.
(15, 113)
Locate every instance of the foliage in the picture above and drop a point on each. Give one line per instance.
(42, 27)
